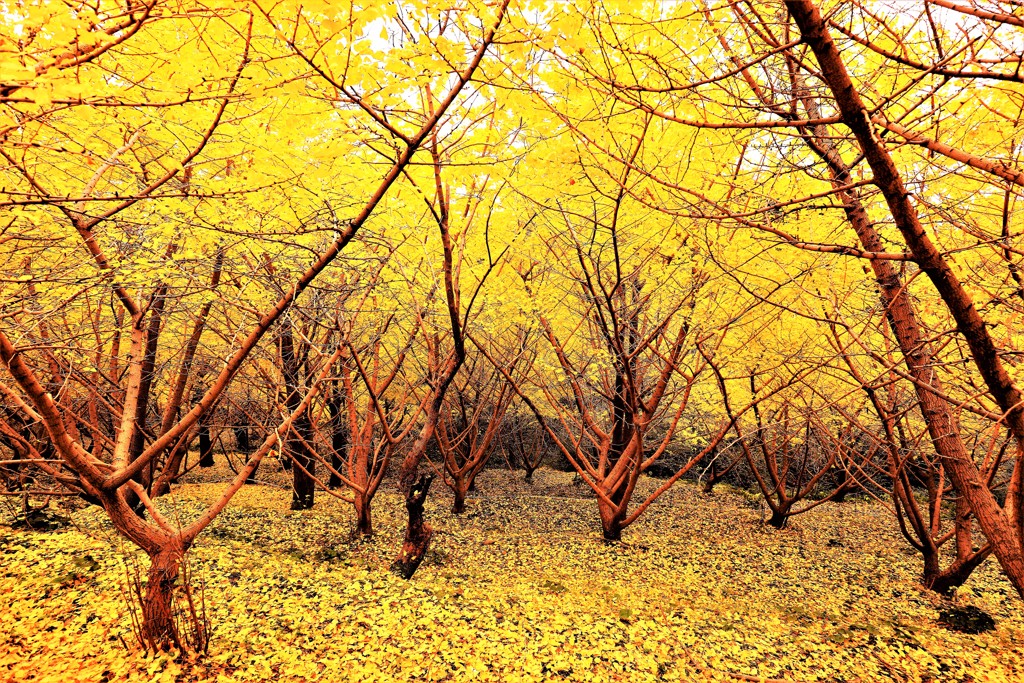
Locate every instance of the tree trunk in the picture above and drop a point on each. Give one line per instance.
(251, 479)
(158, 625)
(779, 518)
(611, 523)
(954, 576)
(138, 441)
(846, 487)
(459, 505)
(299, 442)
(364, 521)
(967, 559)
(945, 581)
(529, 474)
(339, 443)
(243, 444)
(303, 471)
(709, 484)
(242, 439)
(176, 458)
(417, 533)
(931, 569)
(205, 446)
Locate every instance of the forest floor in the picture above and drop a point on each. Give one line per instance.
(520, 587)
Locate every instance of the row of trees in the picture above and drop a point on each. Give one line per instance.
(689, 233)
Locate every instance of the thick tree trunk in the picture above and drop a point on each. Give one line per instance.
(364, 520)
(967, 559)
(932, 570)
(418, 533)
(611, 522)
(954, 576)
(779, 518)
(846, 487)
(459, 504)
(529, 474)
(945, 581)
(158, 624)
(415, 487)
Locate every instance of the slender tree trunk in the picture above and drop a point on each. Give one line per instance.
(709, 484)
(172, 467)
(242, 439)
(339, 444)
(243, 443)
(303, 484)
(138, 441)
(148, 364)
(917, 353)
(205, 445)
(251, 479)
(298, 444)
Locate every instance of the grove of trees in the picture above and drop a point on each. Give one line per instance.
(383, 244)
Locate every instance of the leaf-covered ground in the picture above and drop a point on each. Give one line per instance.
(519, 588)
